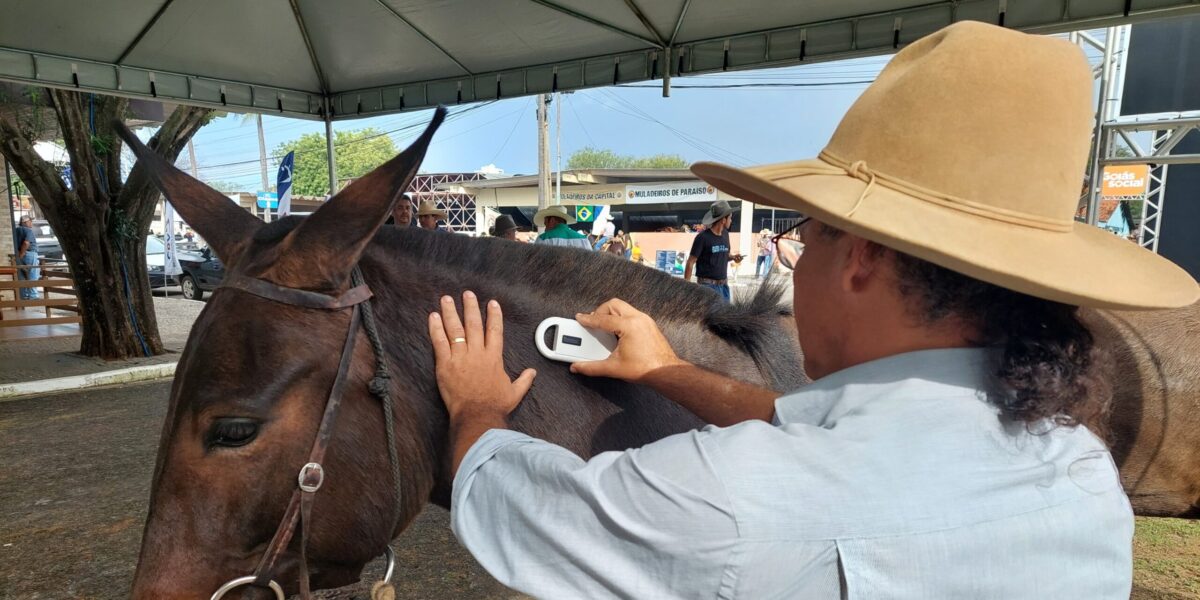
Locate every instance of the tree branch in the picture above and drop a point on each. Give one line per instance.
(139, 195)
(39, 176)
(78, 140)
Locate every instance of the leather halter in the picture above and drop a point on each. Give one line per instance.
(312, 474)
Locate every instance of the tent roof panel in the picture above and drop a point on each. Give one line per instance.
(255, 41)
(363, 57)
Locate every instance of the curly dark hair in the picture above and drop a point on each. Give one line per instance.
(1050, 368)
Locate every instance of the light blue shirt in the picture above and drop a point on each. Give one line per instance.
(890, 479)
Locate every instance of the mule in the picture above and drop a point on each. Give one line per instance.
(231, 447)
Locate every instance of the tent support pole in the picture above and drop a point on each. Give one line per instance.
(329, 150)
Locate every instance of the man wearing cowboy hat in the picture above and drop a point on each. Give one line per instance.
(710, 255)
(555, 219)
(428, 215)
(943, 449)
(505, 228)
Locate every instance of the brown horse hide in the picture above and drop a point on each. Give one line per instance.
(1154, 425)
(253, 380)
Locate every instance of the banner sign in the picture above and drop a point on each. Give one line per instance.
(585, 213)
(170, 258)
(676, 191)
(1125, 181)
(283, 184)
(268, 200)
(592, 194)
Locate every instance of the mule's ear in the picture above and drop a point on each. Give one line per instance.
(223, 224)
(320, 252)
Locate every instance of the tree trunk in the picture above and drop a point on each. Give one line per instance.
(101, 221)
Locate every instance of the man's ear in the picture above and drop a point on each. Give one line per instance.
(863, 262)
(321, 251)
(227, 227)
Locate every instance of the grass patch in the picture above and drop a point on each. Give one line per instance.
(1166, 559)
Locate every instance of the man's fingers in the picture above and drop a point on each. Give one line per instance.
(524, 382)
(614, 324)
(494, 327)
(437, 335)
(615, 306)
(454, 328)
(592, 368)
(472, 320)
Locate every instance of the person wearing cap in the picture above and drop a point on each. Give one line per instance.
(505, 227)
(766, 254)
(710, 255)
(428, 215)
(943, 448)
(555, 219)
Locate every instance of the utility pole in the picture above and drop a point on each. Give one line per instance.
(192, 159)
(262, 163)
(558, 147)
(543, 152)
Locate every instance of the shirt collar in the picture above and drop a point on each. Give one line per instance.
(925, 373)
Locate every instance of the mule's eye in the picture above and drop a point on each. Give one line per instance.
(232, 432)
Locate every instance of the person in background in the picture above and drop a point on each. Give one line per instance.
(710, 256)
(627, 240)
(402, 214)
(25, 242)
(766, 254)
(617, 245)
(428, 216)
(505, 228)
(636, 253)
(555, 219)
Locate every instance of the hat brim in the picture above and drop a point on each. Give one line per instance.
(539, 218)
(1084, 267)
(710, 218)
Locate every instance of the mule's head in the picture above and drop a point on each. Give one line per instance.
(249, 393)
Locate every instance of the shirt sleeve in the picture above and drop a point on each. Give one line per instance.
(652, 522)
(697, 246)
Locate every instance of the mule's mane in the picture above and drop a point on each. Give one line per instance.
(573, 277)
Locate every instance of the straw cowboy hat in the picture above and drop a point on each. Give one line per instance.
(427, 207)
(719, 210)
(557, 210)
(504, 224)
(967, 152)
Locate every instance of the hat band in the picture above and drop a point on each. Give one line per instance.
(859, 170)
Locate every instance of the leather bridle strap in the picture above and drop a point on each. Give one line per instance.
(296, 297)
(312, 475)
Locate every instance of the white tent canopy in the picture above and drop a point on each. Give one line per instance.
(348, 58)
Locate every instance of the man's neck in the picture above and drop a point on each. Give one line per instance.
(717, 229)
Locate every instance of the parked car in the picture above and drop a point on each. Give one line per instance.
(202, 270)
(48, 246)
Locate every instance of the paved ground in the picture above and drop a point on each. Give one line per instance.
(29, 360)
(74, 484)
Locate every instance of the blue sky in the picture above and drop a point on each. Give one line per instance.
(735, 125)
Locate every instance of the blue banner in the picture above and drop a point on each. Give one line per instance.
(283, 184)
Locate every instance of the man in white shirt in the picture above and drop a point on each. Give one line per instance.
(941, 450)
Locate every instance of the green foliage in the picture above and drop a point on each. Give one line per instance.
(596, 158)
(357, 153)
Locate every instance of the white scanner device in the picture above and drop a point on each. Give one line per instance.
(568, 341)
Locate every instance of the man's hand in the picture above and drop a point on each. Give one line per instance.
(641, 348)
(470, 361)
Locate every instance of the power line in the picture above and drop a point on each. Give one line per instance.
(516, 122)
(411, 126)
